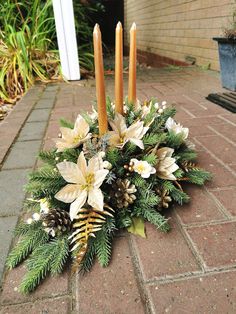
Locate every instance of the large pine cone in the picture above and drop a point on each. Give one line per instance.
(57, 220)
(123, 193)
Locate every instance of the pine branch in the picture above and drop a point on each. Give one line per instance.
(32, 237)
(123, 219)
(61, 255)
(151, 159)
(155, 218)
(152, 139)
(174, 140)
(42, 261)
(198, 176)
(70, 154)
(179, 196)
(66, 124)
(48, 157)
(103, 247)
(113, 156)
(186, 155)
(45, 182)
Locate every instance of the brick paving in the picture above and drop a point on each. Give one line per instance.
(189, 270)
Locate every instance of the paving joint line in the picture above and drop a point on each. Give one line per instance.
(33, 301)
(20, 213)
(226, 120)
(21, 127)
(221, 135)
(216, 158)
(145, 296)
(199, 260)
(186, 276)
(208, 223)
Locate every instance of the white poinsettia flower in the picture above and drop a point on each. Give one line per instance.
(143, 168)
(72, 138)
(166, 164)
(122, 134)
(171, 125)
(84, 183)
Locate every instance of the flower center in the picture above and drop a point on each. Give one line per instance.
(77, 138)
(122, 138)
(89, 181)
(140, 168)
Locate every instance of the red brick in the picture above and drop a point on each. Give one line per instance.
(50, 287)
(222, 149)
(196, 131)
(228, 130)
(208, 294)
(229, 116)
(53, 130)
(60, 305)
(227, 198)
(216, 244)
(164, 254)
(182, 116)
(221, 176)
(113, 289)
(201, 208)
(203, 121)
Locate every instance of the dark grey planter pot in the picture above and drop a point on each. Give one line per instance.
(227, 55)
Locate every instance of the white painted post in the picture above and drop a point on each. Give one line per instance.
(66, 38)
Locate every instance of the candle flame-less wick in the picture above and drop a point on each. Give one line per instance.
(119, 25)
(133, 27)
(96, 28)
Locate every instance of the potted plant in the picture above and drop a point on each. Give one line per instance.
(227, 55)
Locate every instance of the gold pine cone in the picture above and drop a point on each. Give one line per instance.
(123, 193)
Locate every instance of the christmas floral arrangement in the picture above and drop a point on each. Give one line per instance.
(115, 168)
(92, 186)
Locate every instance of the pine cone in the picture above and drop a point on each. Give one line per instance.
(123, 193)
(165, 198)
(56, 220)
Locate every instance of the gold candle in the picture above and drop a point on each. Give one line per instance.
(100, 84)
(119, 69)
(132, 65)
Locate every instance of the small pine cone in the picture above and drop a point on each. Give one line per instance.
(123, 193)
(56, 220)
(165, 198)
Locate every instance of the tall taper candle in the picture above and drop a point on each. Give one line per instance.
(132, 65)
(119, 69)
(100, 84)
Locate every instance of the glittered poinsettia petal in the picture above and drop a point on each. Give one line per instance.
(95, 199)
(99, 177)
(77, 204)
(71, 172)
(68, 193)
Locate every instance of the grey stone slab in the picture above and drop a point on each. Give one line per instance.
(22, 155)
(11, 191)
(46, 103)
(39, 115)
(7, 226)
(49, 94)
(32, 131)
(52, 87)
